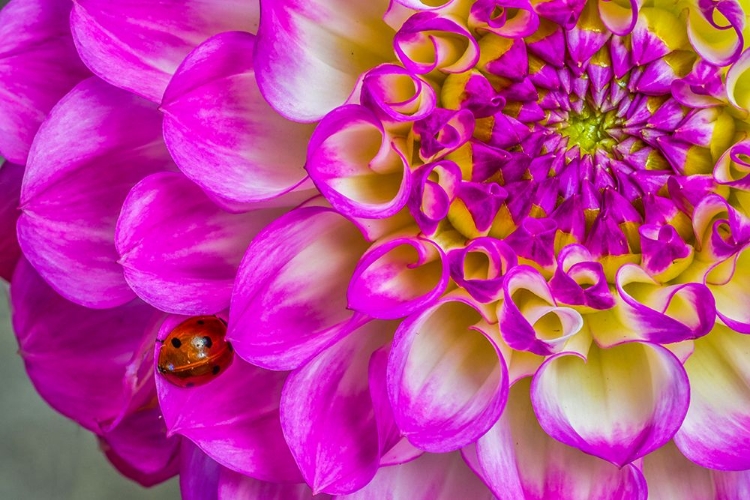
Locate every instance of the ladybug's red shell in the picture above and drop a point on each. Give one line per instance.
(195, 352)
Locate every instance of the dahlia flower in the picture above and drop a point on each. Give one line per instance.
(360, 249)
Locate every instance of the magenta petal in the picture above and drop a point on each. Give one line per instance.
(397, 277)
(10, 192)
(442, 476)
(310, 53)
(199, 473)
(235, 486)
(222, 133)
(80, 373)
(716, 431)
(34, 40)
(241, 433)
(294, 273)
(519, 460)
(137, 46)
(78, 175)
(619, 405)
(327, 413)
(140, 449)
(448, 386)
(179, 251)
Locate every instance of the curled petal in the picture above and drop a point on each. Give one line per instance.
(137, 47)
(664, 314)
(508, 18)
(580, 281)
(245, 154)
(272, 295)
(78, 175)
(665, 253)
(243, 434)
(519, 460)
(396, 94)
(82, 373)
(715, 431)
(179, 251)
(34, 40)
(328, 417)
(529, 318)
(309, 54)
(447, 380)
(738, 85)
(398, 277)
(619, 16)
(480, 266)
(372, 180)
(428, 41)
(430, 200)
(719, 44)
(600, 406)
(733, 167)
(442, 476)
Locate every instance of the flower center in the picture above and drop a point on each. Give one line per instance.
(589, 130)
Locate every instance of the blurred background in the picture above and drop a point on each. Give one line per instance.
(44, 456)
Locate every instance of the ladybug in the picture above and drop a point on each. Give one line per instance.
(195, 352)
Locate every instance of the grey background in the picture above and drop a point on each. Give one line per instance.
(44, 456)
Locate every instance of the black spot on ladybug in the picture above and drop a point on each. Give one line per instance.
(207, 342)
(189, 384)
(229, 346)
(176, 343)
(216, 369)
(200, 322)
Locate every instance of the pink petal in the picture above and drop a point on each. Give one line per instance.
(244, 154)
(243, 434)
(137, 46)
(34, 40)
(519, 460)
(77, 358)
(431, 477)
(180, 252)
(398, 277)
(328, 417)
(670, 475)
(294, 273)
(372, 180)
(716, 432)
(620, 404)
(10, 192)
(78, 175)
(199, 474)
(310, 53)
(233, 486)
(447, 380)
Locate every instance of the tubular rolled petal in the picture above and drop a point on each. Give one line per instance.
(372, 180)
(714, 434)
(34, 40)
(519, 460)
(612, 417)
(664, 314)
(310, 53)
(242, 434)
(137, 46)
(222, 133)
(447, 381)
(78, 175)
(179, 251)
(82, 373)
(328, 416)
(272, 296)
(398, 277)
